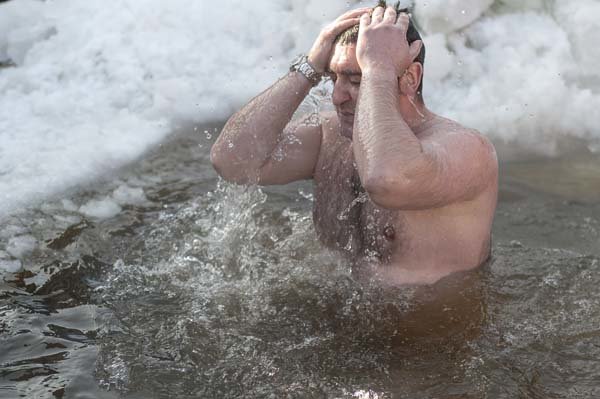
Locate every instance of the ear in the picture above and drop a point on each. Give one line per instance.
(411, 80)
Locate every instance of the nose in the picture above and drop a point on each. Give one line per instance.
(340, 93)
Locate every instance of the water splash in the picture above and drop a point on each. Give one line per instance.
(362, 198)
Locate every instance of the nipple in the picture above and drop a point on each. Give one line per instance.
(389, 232)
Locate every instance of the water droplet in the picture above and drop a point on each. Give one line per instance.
(348, 246)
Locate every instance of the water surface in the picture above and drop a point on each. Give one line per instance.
(203, 289)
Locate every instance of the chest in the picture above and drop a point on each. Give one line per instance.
(344, 217)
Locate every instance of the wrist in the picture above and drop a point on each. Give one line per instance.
(378, 72)
(315, 64)
(304, 67)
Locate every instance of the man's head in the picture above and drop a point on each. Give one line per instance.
(350, 36)
(346, 74)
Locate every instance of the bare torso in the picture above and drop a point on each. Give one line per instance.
(398, 247)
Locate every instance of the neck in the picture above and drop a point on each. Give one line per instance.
(415, 113)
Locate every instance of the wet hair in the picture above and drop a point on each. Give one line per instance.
(350, 36)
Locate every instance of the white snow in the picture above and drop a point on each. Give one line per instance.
(97, 83)
(447, 16)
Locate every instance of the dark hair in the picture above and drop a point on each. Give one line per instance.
(350, 36)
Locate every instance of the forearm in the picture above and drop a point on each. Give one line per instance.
(385, 147)
(251, 135)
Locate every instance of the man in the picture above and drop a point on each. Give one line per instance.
(408, 195)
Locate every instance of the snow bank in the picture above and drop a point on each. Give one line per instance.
(97, 83)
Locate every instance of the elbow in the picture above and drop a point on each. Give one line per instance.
(223, 166)
(375, 186)
(389, 192)
(224, 160)
(216, 159)
(399, 191)
(219, 157)
(400, 186)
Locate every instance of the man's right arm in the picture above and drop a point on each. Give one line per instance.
(255, 138)
(255, 145)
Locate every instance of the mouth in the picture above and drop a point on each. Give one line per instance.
(346, 123)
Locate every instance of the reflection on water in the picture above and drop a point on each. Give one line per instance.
(209, 290)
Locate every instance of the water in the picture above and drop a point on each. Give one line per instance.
(208, 290)
(128, 274)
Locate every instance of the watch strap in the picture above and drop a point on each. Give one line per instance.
(302, 65)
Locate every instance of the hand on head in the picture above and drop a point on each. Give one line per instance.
(382, 43)
(382, 40)
(320, 53)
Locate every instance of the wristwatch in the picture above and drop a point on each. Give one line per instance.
(301, 65)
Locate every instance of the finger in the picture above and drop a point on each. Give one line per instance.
(390, 15)
(377, 15)
(365, 21)
(403, 21)
(353, 13)
(415, 49)
(339, 27)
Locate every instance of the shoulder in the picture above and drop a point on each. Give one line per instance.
(454, 136)
(464, 148)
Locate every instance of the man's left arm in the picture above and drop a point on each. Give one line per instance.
(401, 172)
(397, 169)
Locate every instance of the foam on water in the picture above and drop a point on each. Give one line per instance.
(20, 246)
(104, 208)
(95, 84)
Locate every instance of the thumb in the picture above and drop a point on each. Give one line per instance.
(415, 49)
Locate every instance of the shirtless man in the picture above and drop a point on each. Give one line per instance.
(408, 195)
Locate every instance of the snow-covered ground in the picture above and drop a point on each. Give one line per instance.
(97, 83)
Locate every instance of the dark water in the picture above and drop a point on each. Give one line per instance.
(206, 290)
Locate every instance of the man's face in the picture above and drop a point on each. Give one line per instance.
(346, 75)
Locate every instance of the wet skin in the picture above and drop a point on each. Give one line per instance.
(398, 246)
(405, 245)
(407, 195)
